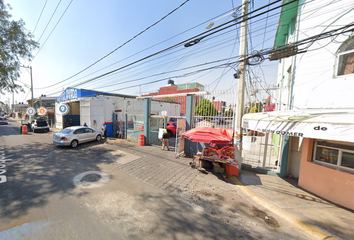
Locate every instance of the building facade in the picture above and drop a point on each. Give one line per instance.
(315, 117)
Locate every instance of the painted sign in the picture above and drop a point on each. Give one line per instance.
(31, 111)
(338, 132)
(42, 111)
(68, 94)
(63, 109)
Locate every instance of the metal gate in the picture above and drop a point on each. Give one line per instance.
(262, 150)
(215, 109)
(175, 126)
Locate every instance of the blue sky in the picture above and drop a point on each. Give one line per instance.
(91, 29)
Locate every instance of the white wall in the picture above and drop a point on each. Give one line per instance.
(315, 85)
(136, 107)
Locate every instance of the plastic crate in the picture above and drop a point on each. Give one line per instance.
(231, 170)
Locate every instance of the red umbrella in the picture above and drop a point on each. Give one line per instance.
(207, 135)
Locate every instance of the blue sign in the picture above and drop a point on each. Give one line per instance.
(63, 109)
(74, 93)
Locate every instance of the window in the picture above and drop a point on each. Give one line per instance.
(88, 130)
(79, 131)
(341, 156)
(345, 58)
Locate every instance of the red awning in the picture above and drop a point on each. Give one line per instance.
(209, 135)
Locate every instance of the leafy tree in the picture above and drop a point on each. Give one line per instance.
(205, 108)
(254, 110)
(229, 113)
(169, 99)
(15, 43)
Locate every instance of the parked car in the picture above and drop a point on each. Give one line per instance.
(73, 136)
(3, 120)
(172, 128)
(40, 124)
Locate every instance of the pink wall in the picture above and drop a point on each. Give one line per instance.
(331, 184)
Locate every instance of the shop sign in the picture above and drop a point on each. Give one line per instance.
(63, 109)
(42, 111)
(68, 94)
(31, 111)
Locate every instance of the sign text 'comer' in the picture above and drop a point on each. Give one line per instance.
(294, 134)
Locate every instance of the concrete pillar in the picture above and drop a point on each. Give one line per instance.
(189, 123)
(147, 113)
(284, 156)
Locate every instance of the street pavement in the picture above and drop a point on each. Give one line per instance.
(151, 194)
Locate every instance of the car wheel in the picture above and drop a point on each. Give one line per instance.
(34, 131)
(99, 138)
(74, 144)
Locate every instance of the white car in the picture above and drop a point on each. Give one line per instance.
(3, 120)
(40, 124)
(73, 136)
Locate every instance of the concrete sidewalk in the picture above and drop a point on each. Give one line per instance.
(282, 197)
(320, 218)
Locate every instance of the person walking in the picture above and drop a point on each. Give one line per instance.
(85, 125)
(105, 131)
(165, 139)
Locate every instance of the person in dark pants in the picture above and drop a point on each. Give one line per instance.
(165, 139)
(105, 131)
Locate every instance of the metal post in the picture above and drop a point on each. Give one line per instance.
(31, 87)
(241, 83)
(147, 113)
(125, 126)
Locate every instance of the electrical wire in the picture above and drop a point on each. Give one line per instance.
(121, 45)
(49, 21)
(40, 16)
(178, 44)
(52, 30)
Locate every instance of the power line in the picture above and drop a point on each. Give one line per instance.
(120, 45)
(119, 69)
(53, 29)
(40, 16)
(178, 44)
(49, 20)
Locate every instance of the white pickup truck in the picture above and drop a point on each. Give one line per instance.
(40, 124)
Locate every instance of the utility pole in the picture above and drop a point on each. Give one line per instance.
(241, 83)
(31, 86)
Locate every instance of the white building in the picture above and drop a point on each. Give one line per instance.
(316, 86)
(96, 108)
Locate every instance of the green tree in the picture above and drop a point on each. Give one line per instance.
(205, 108)
(229, 113)
(169, 99)
(254, 110)
(15, 44)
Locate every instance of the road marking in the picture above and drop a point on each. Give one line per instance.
(3, 160)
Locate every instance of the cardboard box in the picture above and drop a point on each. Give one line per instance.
(217, 168)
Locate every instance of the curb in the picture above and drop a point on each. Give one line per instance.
(313, 231)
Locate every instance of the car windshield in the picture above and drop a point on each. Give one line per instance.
(66, 131)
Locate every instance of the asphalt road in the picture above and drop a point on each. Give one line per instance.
(39, 198)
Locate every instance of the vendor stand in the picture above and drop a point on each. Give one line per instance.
(220, 151)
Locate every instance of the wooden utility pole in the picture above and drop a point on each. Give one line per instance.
(241, 83)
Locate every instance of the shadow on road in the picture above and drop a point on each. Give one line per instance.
(39, 170)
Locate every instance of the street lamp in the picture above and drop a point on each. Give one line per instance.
(212, 23)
